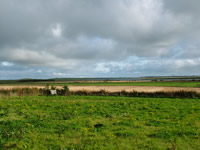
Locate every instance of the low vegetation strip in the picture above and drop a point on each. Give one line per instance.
(90, 122)
(65, 92)
(176, 94)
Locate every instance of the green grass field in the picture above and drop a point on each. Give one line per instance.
(170, 84)
(90, 122)
(86, 83)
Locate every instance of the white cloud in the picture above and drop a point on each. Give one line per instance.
(59, 74)
(57, 30)
(181, 63)
(7, 64)
(101, 67)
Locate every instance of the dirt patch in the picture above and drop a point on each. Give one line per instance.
(114, 88)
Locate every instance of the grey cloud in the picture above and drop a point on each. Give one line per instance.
(141, 67)
(66, 34)
(183, 6)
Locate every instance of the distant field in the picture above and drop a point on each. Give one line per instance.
(170, 84)
(86, 83)
(78, 122)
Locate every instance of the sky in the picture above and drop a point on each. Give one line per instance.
(104, 38)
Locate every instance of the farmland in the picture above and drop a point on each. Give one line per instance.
(152, 83)
(111, 86)
(90, 122)
(83, 82)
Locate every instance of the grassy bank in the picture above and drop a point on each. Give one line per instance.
(89, 122)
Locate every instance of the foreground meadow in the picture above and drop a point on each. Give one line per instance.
(89, 122)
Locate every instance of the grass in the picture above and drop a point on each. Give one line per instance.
(160, 83)
(89, 122)
(86, 83)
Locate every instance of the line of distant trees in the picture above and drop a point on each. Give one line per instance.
(35, 80)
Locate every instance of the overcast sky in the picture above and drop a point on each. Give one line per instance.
(104, 38)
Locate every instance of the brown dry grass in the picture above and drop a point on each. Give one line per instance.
(131, 88)
(113, 88)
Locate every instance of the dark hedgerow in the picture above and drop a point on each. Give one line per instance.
(175, 94)
(66, 92)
